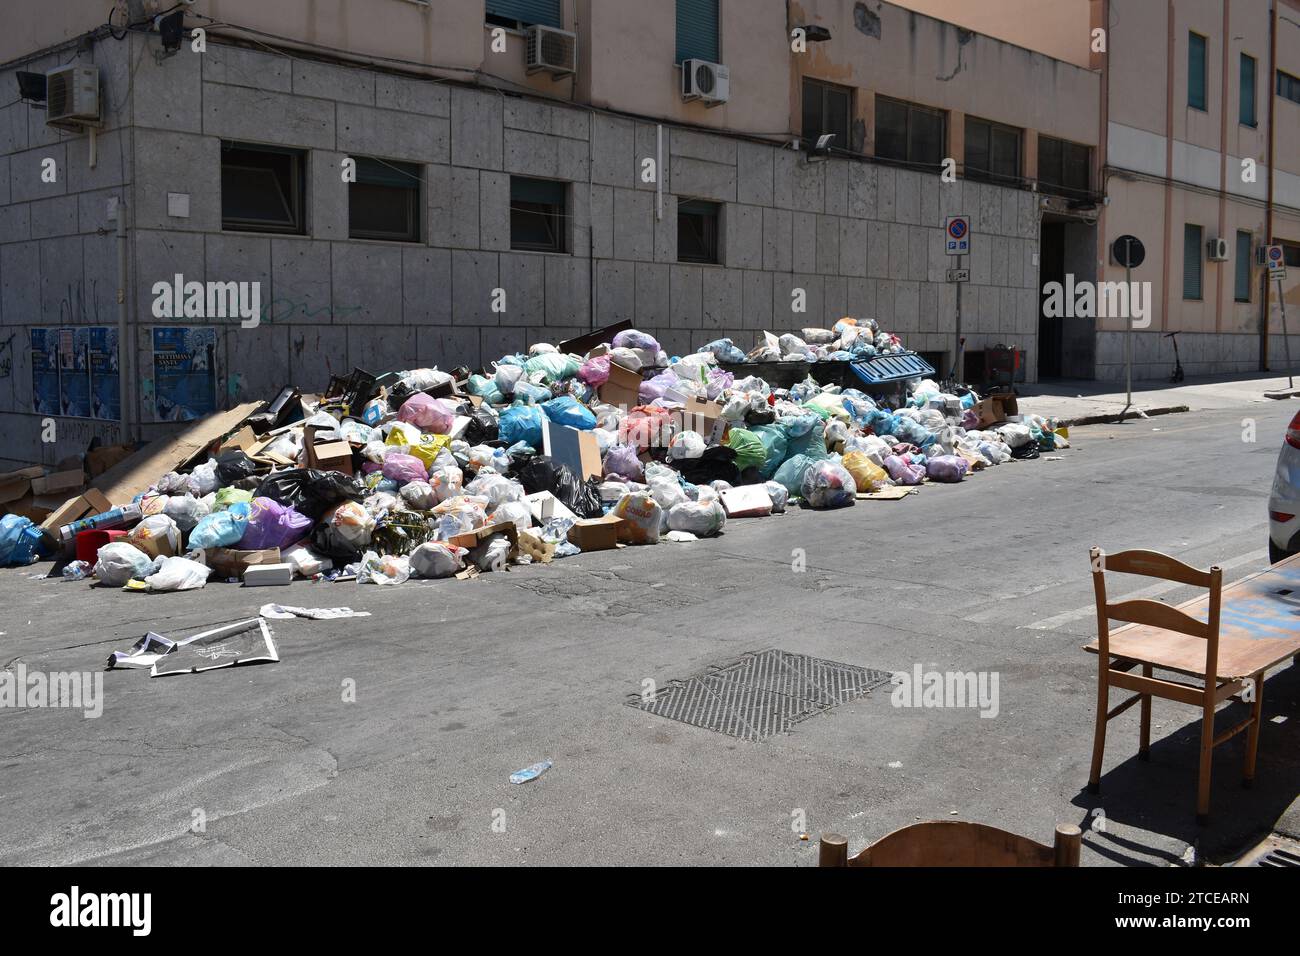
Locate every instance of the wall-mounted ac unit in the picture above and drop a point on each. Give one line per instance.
(1217, 250)
(551, 50)
(704, 81)
(72, 97)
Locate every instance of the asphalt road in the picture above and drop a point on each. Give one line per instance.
(457, 684)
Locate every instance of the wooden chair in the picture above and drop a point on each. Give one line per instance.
(1160, 636)
(955, 843)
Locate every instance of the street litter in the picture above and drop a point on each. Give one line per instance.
(531, 773)
(433, 474)
(244, 642)
(143, 653)
(282, 612)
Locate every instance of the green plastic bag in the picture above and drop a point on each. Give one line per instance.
(231, 496)
(553, 366)
(749, 448)
(774, 447)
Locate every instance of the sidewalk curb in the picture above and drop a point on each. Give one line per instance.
(1107, 417)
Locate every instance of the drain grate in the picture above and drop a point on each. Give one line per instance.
(761, 694)
(1275, 851)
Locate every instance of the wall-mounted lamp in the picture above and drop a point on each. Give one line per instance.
(171, 29)
(821, 149)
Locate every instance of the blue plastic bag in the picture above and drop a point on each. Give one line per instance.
(567, 410)
(521, 423)
(20, 540)
(221, 529)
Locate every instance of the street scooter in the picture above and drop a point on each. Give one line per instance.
(1178, 362)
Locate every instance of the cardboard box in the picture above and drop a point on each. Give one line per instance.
(268, 575)
(58, 481)
(573, 447)
(623, 388)
(470, 540)
(229, 563)
(545, 506)
(996, 408)
(91, 502)
(15, 485)
(596, 534)
(746, 501)
(703, 417)
(241, 440)
(332, 456)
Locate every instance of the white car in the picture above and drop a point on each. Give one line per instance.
(1284, 503)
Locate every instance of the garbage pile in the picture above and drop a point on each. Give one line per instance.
(427, 473)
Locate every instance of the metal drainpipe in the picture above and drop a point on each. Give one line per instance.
(1266, 303)
(124, 343)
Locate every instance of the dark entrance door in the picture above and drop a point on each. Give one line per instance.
(1051, 268)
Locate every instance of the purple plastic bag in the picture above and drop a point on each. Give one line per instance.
(622, 461)
(903, 471)
(428, 414)
(654, 388)
(273, 525)
(948, 468)
(403, 468)
(634, 339)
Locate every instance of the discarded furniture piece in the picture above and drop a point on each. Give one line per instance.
(955, 843)
(1229, 660)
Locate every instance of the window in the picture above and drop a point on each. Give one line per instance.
(910, 133)
(1196, 71)
(992, 151)
(262, 188)
(1193, 236)
(697, 230)
(517, 14)
(1290, 252)
(538, 213)
(1064, 167)
(1288, 87)
(697, 30)
(1246, 105)
(826, 109)
(1242, 267)
(384, 202)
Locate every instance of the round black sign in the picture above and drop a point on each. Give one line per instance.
(1129, 251)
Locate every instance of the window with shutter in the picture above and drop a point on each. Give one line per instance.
(522, 13)
(697, 30)
(1196, 71)
(1242, 266)
(1192, 259)
(1247, 98)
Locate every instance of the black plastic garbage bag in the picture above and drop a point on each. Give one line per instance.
(1027, 451)
(717, 463)
(233, 465)
(545, 474)
(309, 491)
(482, 426)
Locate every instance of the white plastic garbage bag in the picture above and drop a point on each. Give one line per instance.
(419, 495)
(435, 559)
(177, 574)
(700, 518)
(305, 561)
(119, 562)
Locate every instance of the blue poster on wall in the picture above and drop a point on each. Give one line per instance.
(74, 371)
(104, 394)
(185, 373)
(45, 372)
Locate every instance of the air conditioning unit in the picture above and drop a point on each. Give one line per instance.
(72, 97)
(704, 81)
(554, 51)
(1217, 250)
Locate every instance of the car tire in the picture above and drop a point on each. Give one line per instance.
(1276, 554)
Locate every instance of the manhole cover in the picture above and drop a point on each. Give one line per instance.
(761, 694)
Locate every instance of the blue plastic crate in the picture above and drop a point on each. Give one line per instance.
(883, 369)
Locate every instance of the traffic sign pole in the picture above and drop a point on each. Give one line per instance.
(1286, 341)
(959, 360)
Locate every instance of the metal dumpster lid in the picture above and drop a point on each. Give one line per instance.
(880, 369)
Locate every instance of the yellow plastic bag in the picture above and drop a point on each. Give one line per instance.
(403, 433)
(427, 448)
(867, 475)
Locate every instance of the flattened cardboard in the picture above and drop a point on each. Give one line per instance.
(241, 440)
(623, 388)
(888, 493)
(133, 475)
(746, 501)
(596, 534)
(573, 447)
(58, 481)
(99, 460)
(12, 489)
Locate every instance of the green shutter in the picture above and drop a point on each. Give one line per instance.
(1248, 73)
(544, 12)
(697, 30)
(1242, 266)
(1196, 71)
(1192, 262)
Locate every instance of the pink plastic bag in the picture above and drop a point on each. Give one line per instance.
(403, 468)
(595, 371)
(948, 468)
(427, 414)
(903, 471)
(622, 461)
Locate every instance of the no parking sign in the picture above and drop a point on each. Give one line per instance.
(956, 232)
